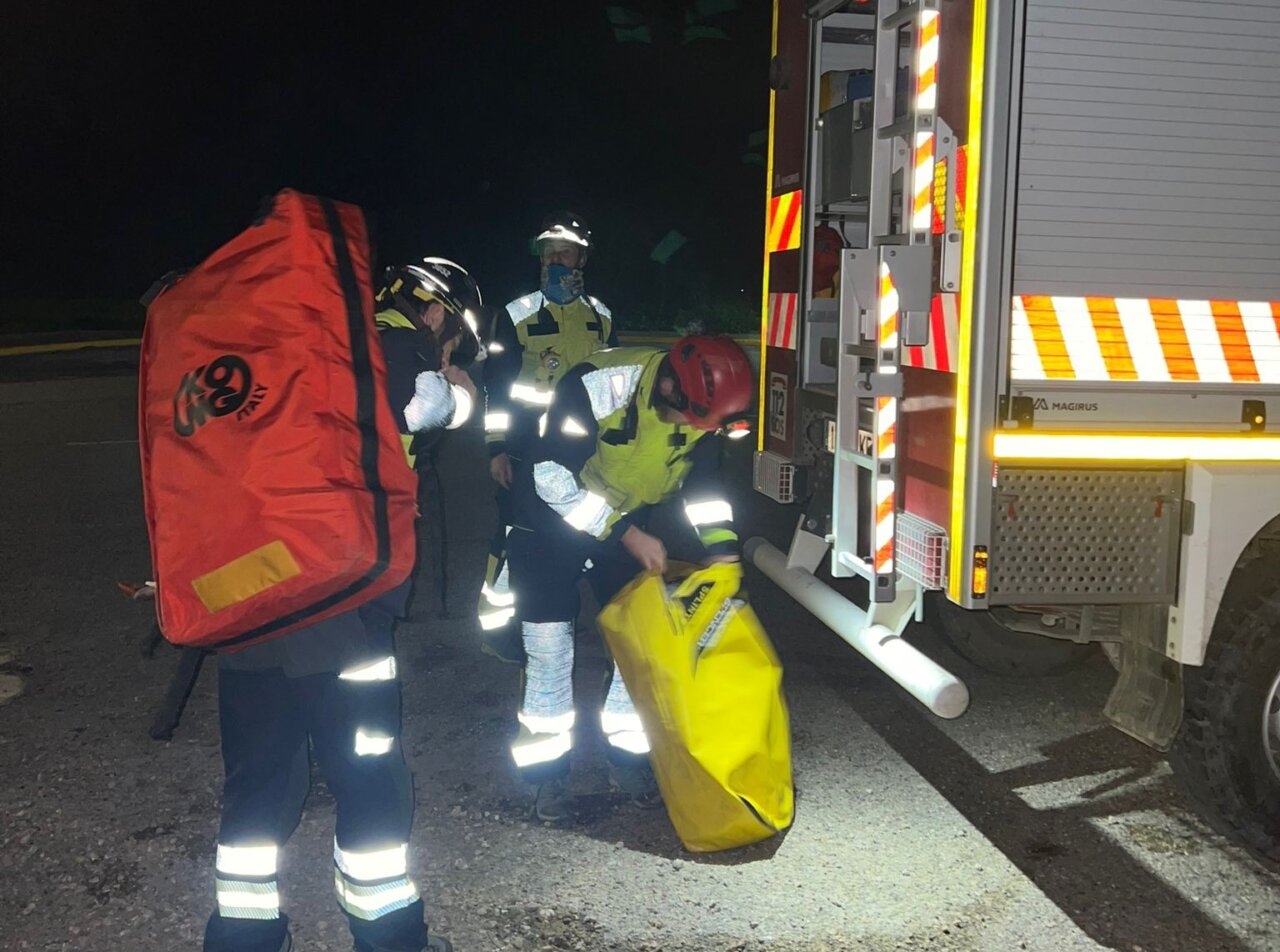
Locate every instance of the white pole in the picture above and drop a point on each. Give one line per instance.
(920, 676)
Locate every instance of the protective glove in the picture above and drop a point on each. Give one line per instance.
(438, 402)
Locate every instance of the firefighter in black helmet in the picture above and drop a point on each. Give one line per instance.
(427, 319)
(539, 337)
(333, 686)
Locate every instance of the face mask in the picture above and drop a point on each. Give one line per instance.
(561, 285)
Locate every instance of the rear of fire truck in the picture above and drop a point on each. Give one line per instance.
(1021, 350)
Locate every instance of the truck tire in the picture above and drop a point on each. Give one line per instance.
(986, 644)
(1227, 755)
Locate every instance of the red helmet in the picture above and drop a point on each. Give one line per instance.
(715, 379)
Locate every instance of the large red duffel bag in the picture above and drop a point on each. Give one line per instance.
(274, 480)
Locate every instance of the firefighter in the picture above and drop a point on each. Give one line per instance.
(334, 684)
(539, 337)
(420, 332)
(627, 428)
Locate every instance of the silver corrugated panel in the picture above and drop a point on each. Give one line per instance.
(1150, 149)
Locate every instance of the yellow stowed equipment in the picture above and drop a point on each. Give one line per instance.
(708, 686)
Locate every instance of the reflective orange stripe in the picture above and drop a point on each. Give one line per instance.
(789, 230)
(929, 70)
(1235, 342)
(1156, 340)
(885, 509)
(888, 317)
(1111, 340)
(784, 221)
(1043, 319)
(1173, 339)
(922, 217)
(887, 441)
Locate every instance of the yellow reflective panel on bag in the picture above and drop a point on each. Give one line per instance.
(708, 686)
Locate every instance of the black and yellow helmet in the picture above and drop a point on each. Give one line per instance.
(436, 279)
(411, 288)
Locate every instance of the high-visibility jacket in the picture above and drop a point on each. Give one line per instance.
(604, 452)
(535, 344)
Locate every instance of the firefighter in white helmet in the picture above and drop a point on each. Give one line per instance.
(533, 343)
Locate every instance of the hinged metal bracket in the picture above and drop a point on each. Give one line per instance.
(858, 292)
(911, 267)
(949, 276)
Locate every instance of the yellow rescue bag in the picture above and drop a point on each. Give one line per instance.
(708, 687)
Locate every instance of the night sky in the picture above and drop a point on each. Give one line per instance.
(137, 137)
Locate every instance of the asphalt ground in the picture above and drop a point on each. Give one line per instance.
(1026, 824)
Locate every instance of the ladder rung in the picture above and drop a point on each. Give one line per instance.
(904, 128)
(904, 14)
(866, 462)
(857, 565)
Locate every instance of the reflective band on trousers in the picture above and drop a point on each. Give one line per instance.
(372, 864)
(247, 860)
(238, 899)
(384, 669)
(531, 395)
(372, 883)
(541, 750)
(496, 619)
(542, 724)
(494, 597)
(255, 896)
(571, 427)
(547, 738)
(374, 902)
(711, 511)
(372, 744)
(633, 742)
(624, 731)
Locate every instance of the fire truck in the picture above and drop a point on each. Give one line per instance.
(1020, 350)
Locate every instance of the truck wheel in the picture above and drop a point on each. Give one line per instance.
(985, 643)
(1227, 755)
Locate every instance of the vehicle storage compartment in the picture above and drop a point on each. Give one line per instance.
(1147, 230)
(1087, 535)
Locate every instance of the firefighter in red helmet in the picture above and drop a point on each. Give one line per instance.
(626, 429)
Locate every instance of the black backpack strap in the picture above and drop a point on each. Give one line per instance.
(162, 285)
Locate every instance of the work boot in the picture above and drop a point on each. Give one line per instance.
(637, 782)
(553, 803)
